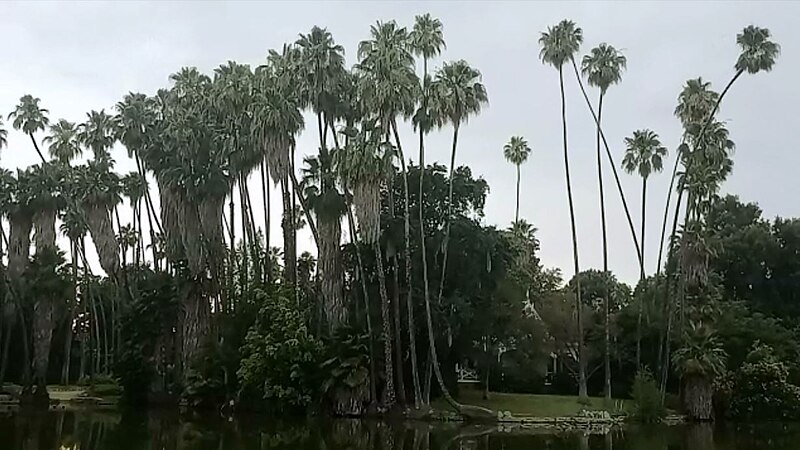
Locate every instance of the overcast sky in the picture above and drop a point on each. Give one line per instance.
(82, 56)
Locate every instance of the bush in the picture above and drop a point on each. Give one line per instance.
(761, 391)
(648, 407)
(280, 358)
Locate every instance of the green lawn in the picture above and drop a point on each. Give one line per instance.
(528, 405)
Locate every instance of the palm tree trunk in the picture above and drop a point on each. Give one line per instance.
(606, 306)
(289, 258)
(306, 212)
(516, 210)
(641, 280)
(613, 165)
(36, 146)
(373, 383)
(266, 205)
(398, 338)
(578, 304)
(661, 253)
(412, 341)
(70, 316)
(434, 360)
(388, 390)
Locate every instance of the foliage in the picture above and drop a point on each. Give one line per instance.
(648, 406)
(146, 328)
(279, 357)
(761, 391)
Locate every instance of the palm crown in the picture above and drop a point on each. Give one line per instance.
(603, 66)
(644, 153)
(695, 102)
(63, 141)
(560, 43)
(758, 51)
(460, 91)
(3, 135)
(98, 133)
(29, 116)
(427, 39)
(517, 150)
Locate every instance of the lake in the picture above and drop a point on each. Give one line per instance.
(170, 431)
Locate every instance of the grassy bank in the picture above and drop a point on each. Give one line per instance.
(529, 405)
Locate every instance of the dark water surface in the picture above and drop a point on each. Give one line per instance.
(170, 431)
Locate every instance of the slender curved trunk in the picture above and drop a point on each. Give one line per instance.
(418, 398)
(613, 164)
(582, 393)
(516, 210)
(606, 306)
(412, 338)
(304, 206)
(365, 294)
(388, 390)
(36, 146)
(398, 338)
(641, 279)
(449, 218)
(661, 255)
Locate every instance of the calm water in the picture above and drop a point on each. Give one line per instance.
(167, 431)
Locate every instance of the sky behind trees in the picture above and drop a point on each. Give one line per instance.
(84, 56)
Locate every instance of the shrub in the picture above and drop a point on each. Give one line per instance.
(761, 390)
(648, 407)
(280, 358)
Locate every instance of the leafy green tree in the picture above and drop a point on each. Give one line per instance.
(516, 151)
(559, 45)
(279, 357)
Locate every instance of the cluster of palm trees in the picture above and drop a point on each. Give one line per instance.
(704, 156)
(207, 138)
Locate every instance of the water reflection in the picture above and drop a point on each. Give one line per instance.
(167, 430)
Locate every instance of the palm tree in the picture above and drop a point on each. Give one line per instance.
(461, 95)
(321, 67)
(388, 86)
(644, 154)
(30, 118)
(427, 40)
(559, 44)
(98, 133)
(516, 152)
(74, 227)
(45, 202)
(698, 362)
(63, 141)
(603, 67)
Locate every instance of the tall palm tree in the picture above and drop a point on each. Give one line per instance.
(516, 151)
(427, 40)
(460, 95)
(758, 54)
(321, 67)
(644, 154)
(603, 67)
(388, 85)
(559, 45)
(30, 117)
(75, 228)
